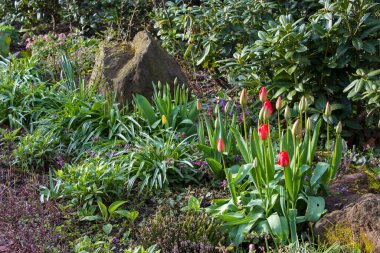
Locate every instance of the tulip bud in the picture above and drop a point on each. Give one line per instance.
(216, 124)
(251, 248)
(338, 128)
(199, 105)
(163, 119)
(287, 113)
(264, 113)
(297, 129)
(159, 85)
(243, 97)
(228, 106)
(278, 103)
(309, 124)
(263, 94)
(216, 110)
(328, 109)
(303, 106)
(220, 145)
(255, 163)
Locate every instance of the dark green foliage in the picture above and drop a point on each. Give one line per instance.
(181, 232)
(295, 48)
(87, 15)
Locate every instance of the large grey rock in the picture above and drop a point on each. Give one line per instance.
(127, 69)
(356, 225)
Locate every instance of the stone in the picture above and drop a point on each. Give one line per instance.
(357, 225)
(131, 68)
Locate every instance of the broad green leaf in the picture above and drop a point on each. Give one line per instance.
(216, 167)
(107, 228)
(319, 171)
(315, 208)
(114, 206)
(146, 109)
(279, 226)
(103, 210)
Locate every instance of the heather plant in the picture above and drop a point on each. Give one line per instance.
(181, 232)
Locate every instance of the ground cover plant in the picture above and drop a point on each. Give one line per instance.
(251, 167)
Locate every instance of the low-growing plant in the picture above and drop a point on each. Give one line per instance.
(181, 232)
(177, 106)
(163, 160)
(36, 150)
(93, 180)
(80, 51)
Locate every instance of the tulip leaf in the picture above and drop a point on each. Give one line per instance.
(319, 171)
(315, 208)
(279, 226)
(241, 145)
(146, 109)
(337, 156)
(216, 167)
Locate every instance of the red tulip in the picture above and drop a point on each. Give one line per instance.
(269, 106)
(220, 145)
(263, 131)
(263, 94)
(283, 159)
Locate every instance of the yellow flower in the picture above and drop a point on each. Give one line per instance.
(163, 119)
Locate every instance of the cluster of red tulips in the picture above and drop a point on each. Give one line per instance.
(263, 129)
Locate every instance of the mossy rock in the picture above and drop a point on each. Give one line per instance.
(357, 225)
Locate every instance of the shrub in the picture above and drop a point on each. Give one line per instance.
(304, 48)
(89, 15)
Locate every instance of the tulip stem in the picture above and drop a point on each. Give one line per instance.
(328, 137)
(230, 186)
(279, 126)
(245, 126)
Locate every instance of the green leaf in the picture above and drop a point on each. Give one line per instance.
(279, 226)
(216, 167)
(337, 156)
(319, 171)
(315, 208)
(92, 218)
(107, 228)
(194, 203)
(146, 109)
(357, 43)
(241, 145)
(103, 210)
(114, 206)
(205, 54)
(374, 73)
